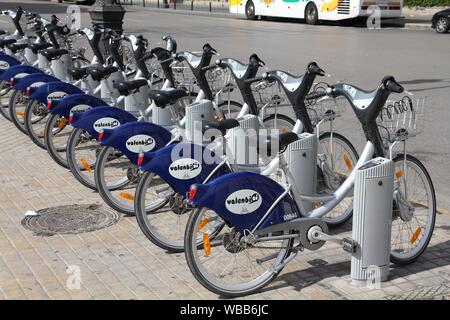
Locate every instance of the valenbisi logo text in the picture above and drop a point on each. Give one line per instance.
(37, 84)
(21, 75)
(185, 168)
(140, 143)
(57, 95)
(289, 216)
(105, 123)
(4, 65)
(243, 201)
(80, 108)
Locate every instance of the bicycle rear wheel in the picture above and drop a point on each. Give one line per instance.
(4, 100)
(161, 213)
(17, 105)
(224, 265)
(414, 213)
(82, 150)
(56, 134)
(36, 115)
(116, 179)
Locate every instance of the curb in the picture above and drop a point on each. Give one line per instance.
(418, 25)
(184, 12)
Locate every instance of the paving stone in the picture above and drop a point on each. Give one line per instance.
(121, 263)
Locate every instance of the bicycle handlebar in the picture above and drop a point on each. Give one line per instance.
(257, 60)
(256, 79)
(316, 95)
(210, 67)
(315, 69)
(392, 85)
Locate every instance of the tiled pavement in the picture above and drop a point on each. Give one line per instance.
(119, 262)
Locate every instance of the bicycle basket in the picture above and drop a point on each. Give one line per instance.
(268, 94)
(78, 45)
(402, 119)
(156, 74)
(183, 76)
(326, 108)
(220, 80)
(127, 54)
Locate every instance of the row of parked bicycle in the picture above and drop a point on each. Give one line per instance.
(214, 158)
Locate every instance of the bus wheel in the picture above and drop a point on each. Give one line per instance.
(250, 10)
(311, 14)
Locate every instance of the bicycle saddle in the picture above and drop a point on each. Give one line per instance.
(163, 98)
(36, 47)
(99, 72)
(159, 53)
(223, 125)
(53, 54)
(14, 47)
(284, 139)
(126, 87)
(78, 73)
(62, 30)
(5, 42)
(238, 68)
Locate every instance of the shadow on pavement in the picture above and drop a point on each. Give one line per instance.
(322, 270)
(353, 23)
(40, 8)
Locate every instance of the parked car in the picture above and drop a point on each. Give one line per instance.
(441, 21)
(85, 2)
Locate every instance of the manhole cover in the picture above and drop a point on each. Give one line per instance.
(70, 219)
(429, 293)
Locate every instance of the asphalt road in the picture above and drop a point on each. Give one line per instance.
(418, 58)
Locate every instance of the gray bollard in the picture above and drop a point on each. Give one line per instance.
(372, 221)
(302, 155)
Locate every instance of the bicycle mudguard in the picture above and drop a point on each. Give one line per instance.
(134, 138)
(17, 72)
(53, 91)
(193, 164)
(75, 104)
(33, 81)
(242, 199)
(100, 118)
(6, 62)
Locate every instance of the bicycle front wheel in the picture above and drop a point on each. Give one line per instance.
(279, 122)
(222, 263)
(341, 157)
(414, 213)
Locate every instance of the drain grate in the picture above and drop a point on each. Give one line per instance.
(429, 293)
(71, 219)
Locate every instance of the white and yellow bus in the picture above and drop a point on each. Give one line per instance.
(315, 10)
